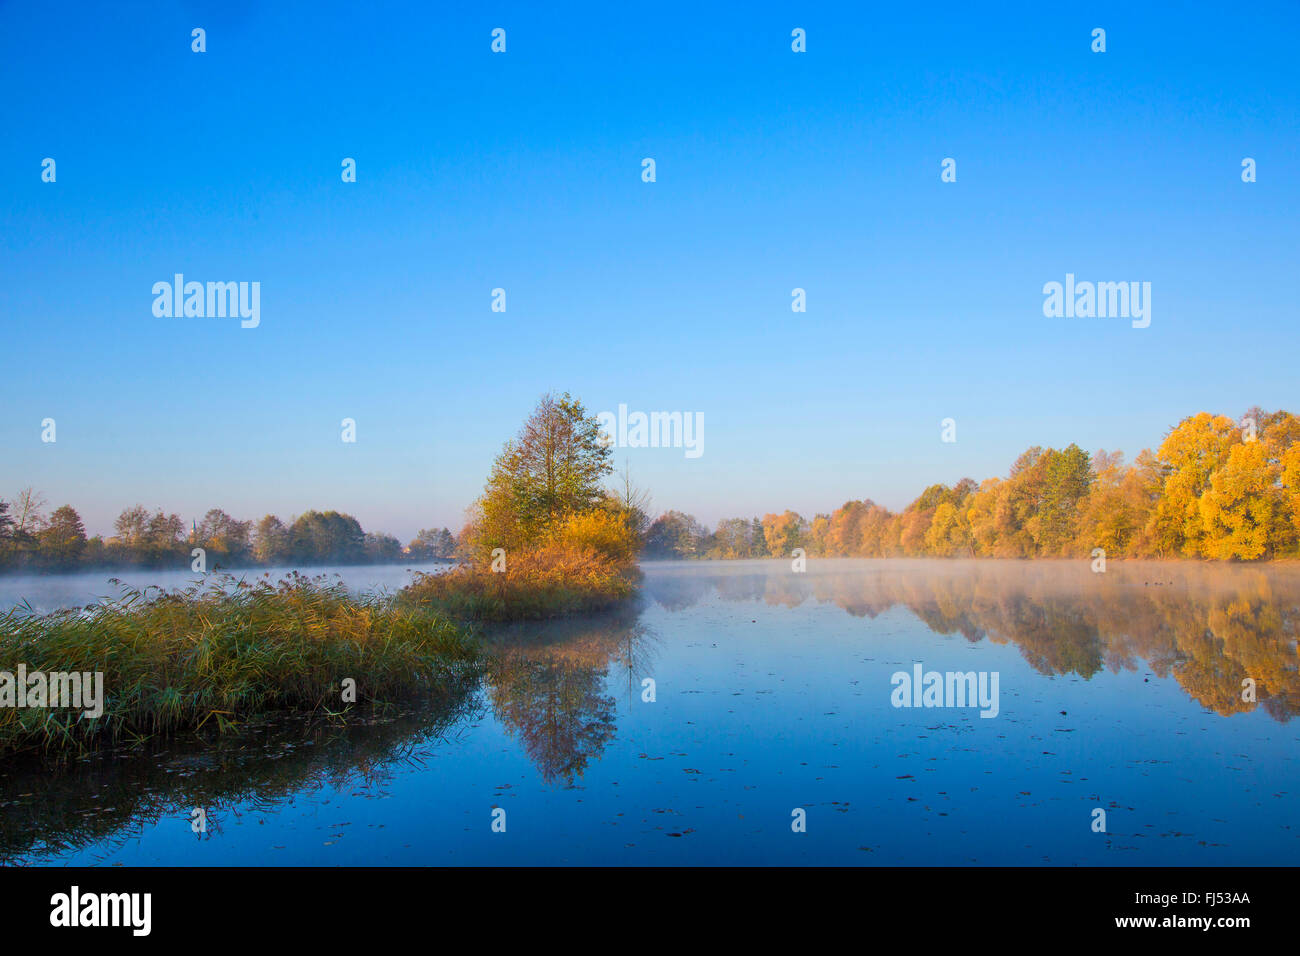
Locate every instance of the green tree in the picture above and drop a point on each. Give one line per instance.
(1116, 508)
(6, 534)
(381, 548)
(732, 539)
(675, 534)
(428, 544)
(227, 539)
(271, 544)
(326, 537)
(144, 538)
(553, 468)
(131, 526)
(1066, 478)
(63, 539)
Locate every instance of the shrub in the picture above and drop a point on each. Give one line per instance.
(601, 531)
(555, 579)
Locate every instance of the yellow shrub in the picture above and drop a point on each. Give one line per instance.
(602, 531)
(587, 563)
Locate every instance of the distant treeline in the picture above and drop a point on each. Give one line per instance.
(31, 538)
(1215, 488)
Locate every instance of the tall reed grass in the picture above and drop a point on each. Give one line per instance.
(208, 656)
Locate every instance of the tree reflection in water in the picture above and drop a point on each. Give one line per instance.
(549, 686)
(1209, 626)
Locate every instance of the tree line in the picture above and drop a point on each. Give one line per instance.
(32, 538)
(1215, 489)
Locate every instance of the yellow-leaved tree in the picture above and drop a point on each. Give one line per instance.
(1242, 505)
(1187, 457)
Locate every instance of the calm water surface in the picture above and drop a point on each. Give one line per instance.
(49, 592)
(773, 692)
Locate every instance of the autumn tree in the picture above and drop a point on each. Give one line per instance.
(815, 541)
(227, 539)
(1188, 457)
(844, 531)
(949, 532)
(874, 534)
(63, 539)
(981, 516)
(553, 468)
(147, 538)
(1241, 507)
(783, 533)
(1117, 506)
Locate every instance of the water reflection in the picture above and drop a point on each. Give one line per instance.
(1209, 628)
(556, 689)
(550, 687)
(549, 684)
(101, 801)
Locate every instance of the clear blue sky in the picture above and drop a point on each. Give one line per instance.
(775, 170)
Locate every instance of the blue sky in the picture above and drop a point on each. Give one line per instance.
(522, 171)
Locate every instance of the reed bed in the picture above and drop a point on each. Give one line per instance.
(209, 656)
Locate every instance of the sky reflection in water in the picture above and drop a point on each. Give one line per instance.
(1119, 690)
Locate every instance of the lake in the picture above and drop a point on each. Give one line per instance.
(773, 733)
(49, 592)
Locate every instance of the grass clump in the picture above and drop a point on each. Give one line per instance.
(208, 656)
(588, 563)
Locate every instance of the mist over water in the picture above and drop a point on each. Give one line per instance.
(50, 592)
